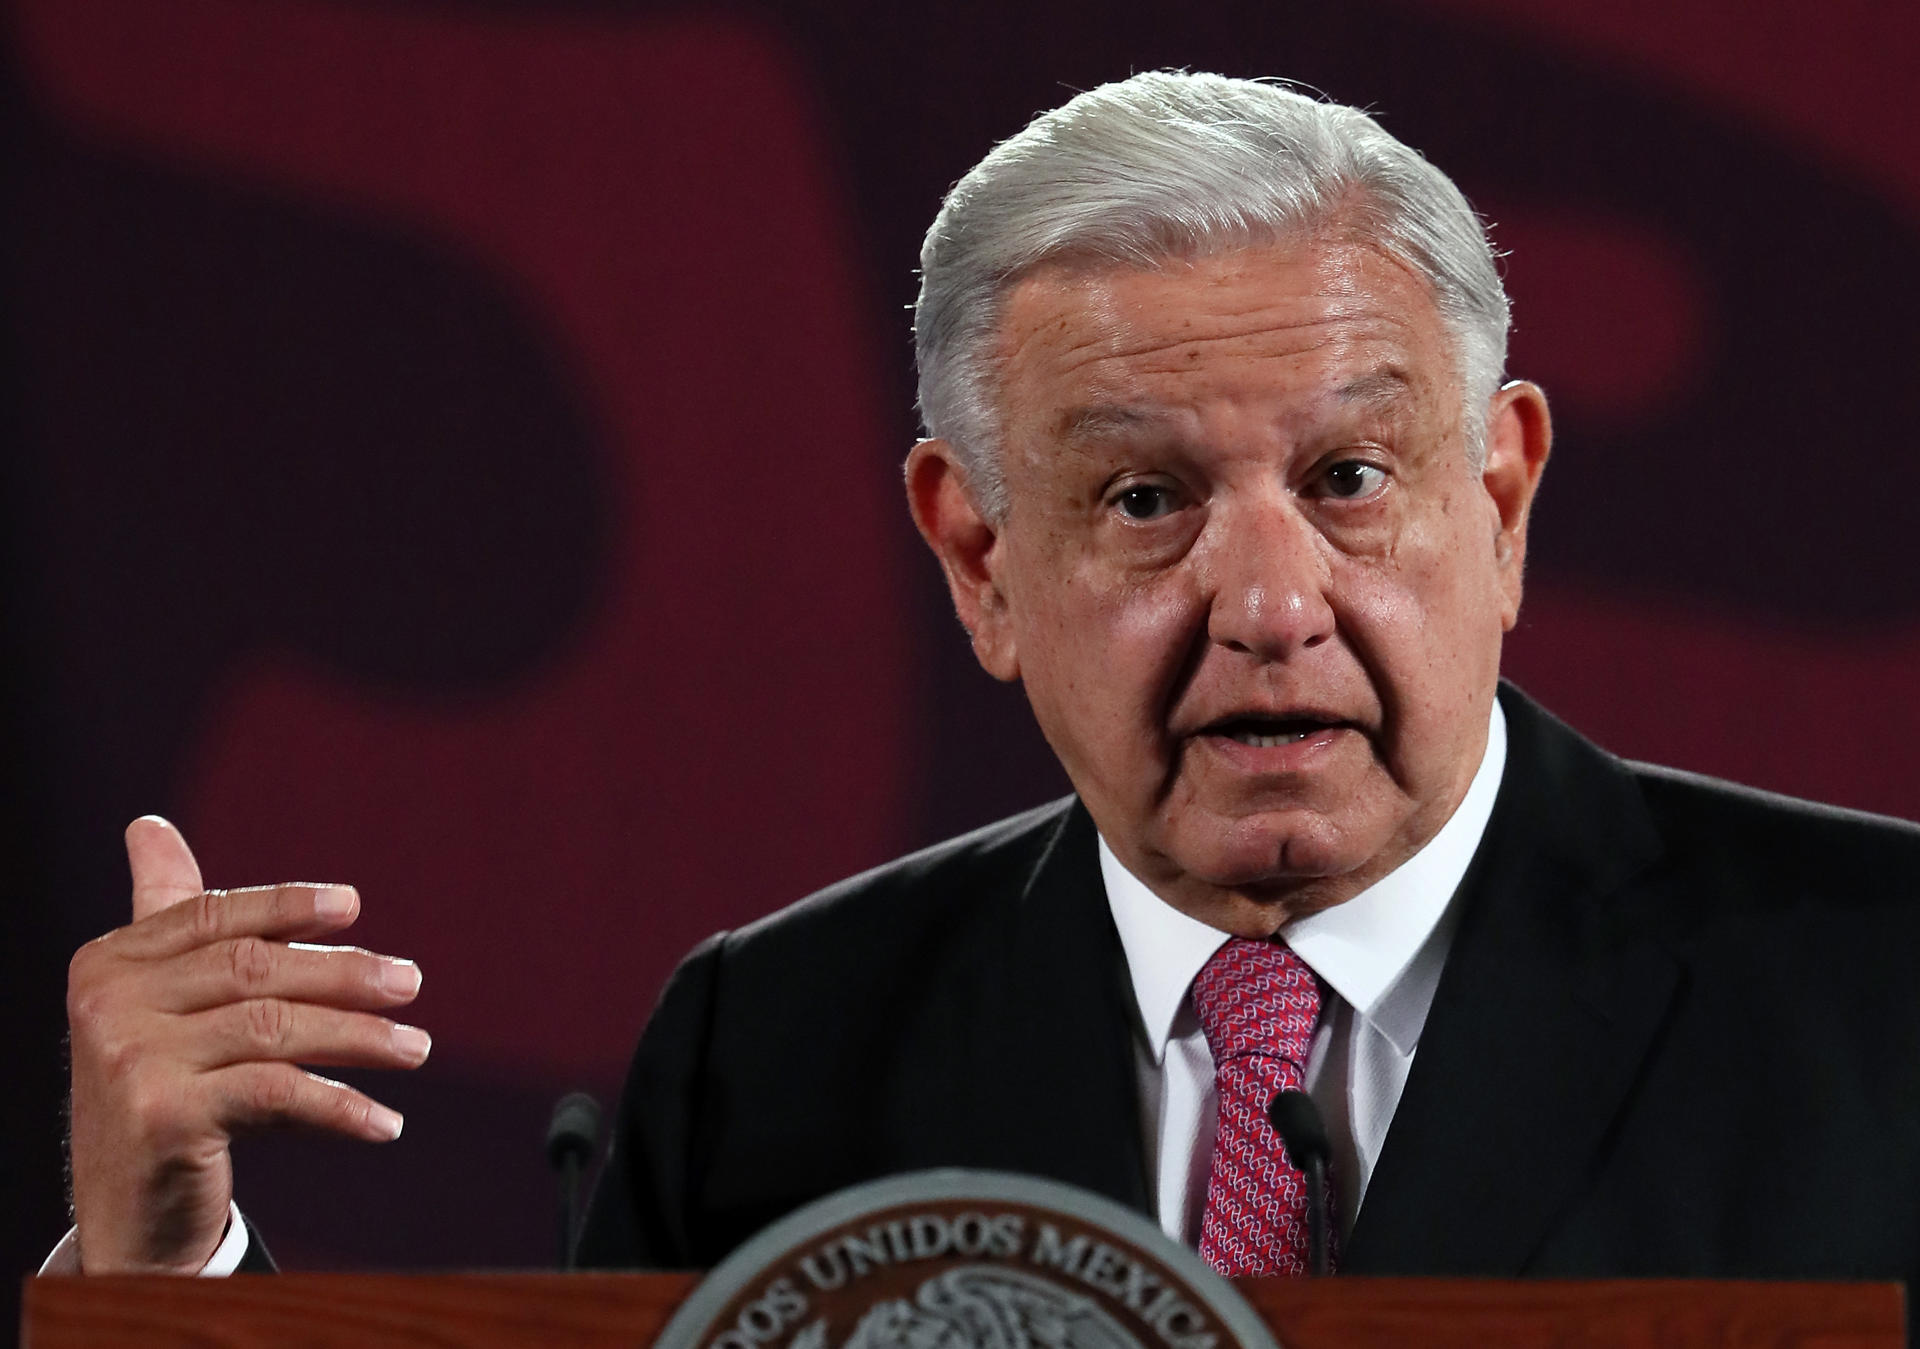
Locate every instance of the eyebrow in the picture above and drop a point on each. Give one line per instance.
(1380, 386)
(1097, 421)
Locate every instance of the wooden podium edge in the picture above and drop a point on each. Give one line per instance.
(489, 1310)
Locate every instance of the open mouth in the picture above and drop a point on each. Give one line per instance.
(1270, 732)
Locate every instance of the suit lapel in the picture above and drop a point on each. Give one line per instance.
(1055, 1038)
(1548, 1004)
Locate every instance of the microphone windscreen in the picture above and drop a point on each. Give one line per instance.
(574, 1129)
(1297, 1120)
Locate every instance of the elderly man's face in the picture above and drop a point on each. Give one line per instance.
(1253, 587)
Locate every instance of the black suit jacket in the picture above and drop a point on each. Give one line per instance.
(1678, 1033)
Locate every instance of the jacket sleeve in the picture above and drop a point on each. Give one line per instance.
(256, 1259)
(643, 1214)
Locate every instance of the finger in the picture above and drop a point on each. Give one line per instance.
(254, 967)
(164, 872)
(296, 1032)
(260, 1095)
(280, 912)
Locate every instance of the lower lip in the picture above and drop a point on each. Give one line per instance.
(1292, 757)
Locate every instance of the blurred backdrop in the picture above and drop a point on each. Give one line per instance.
(453, 447)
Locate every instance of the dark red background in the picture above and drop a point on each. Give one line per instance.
(453, 448)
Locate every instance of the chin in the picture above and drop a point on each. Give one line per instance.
(1274, 853)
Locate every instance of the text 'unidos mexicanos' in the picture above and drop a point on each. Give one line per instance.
(999, 1237)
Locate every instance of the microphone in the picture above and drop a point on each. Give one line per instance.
(571, 1137)
(1297, 1120)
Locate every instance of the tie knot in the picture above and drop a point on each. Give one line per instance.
(1257, 997)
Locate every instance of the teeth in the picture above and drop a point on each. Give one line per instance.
(1269, 741)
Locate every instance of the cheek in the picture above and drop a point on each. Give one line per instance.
(1449, 557)
(1425, 617)
(1151, 629)
(1151, 625)
(1108, 653)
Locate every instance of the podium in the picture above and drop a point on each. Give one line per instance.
(496, 1311)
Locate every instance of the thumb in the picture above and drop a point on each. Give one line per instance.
(164, 872)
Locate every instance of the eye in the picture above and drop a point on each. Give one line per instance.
(1145, 501)
(1353, 480)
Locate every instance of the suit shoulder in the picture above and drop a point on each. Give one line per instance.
(1709, 800)
(1783, 843)
(959, 872)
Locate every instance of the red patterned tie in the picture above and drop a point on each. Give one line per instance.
(1258, 1004)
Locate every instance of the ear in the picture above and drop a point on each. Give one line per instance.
(970, 552)
(1519, 439)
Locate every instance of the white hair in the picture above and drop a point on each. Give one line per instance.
(1169, 164)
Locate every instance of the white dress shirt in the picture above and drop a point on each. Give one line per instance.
(1379, 953)
(224, 1260)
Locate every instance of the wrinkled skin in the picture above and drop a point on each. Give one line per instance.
(1241, 504)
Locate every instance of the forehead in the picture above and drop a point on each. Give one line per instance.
(1285, 326)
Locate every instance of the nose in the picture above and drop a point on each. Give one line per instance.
(1272, 576)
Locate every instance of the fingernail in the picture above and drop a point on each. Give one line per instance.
(400, 978)
(412, 1043)
(333, 902)
(387, 1123)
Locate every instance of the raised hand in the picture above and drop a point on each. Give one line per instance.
(187, 1026)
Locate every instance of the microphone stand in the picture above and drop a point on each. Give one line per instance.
(571, 1137)
(1304, 1135)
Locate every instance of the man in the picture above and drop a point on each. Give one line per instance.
(1220, 466)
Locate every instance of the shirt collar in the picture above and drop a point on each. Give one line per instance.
(1381, 951)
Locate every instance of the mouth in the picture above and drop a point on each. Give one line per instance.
(1272, 732)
